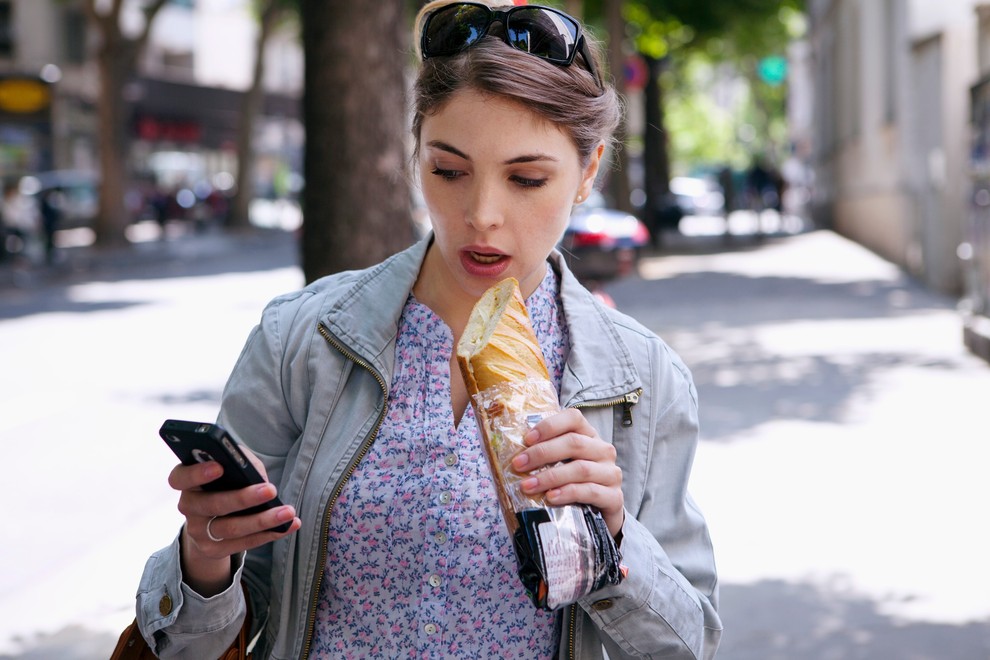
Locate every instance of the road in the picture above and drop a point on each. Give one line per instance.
(842, 462)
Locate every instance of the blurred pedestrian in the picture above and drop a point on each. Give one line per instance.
(50, 207)
(348, 397)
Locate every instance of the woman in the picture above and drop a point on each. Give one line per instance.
(348, 393)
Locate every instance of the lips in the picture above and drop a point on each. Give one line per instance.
(484, 262)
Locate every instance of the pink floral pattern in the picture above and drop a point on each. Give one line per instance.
(419, 562)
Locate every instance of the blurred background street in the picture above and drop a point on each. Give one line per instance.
(842, 463)
(800, 206)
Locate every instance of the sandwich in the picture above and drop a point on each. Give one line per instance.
(563, 552)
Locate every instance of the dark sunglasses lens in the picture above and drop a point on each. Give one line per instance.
(543, 33)
(454, 28)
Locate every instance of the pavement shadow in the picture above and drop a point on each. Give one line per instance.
(778, 620)
(689, 301)
(767, 620)
(712, 319)
(71, 643)
(45, 289)
(742, 392)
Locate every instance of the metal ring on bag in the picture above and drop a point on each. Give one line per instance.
(209, 532)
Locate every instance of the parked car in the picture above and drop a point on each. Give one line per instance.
(76, 195)
(697, 196)
(601, 243)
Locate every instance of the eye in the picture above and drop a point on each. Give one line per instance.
(526, 182)
(448, 175)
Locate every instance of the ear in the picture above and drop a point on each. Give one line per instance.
(589, 174)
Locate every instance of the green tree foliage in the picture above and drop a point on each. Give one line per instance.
(719, 108)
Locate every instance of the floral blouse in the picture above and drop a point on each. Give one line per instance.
(420, 564)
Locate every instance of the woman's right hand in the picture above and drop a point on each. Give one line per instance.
(206, 564)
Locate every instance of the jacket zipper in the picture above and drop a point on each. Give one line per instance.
(627, 401)
(314, 601)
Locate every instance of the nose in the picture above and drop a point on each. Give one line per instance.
(484, 211)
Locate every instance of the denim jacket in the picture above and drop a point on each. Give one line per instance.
(307, 396)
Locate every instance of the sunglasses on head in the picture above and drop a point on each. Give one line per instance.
(544, 32)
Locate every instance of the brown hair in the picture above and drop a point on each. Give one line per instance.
(567, 96)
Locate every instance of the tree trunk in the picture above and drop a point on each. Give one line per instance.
(116, 60)
(619, 176)
(240, 206)
(356, 203)
(111, 221)
(656, 162)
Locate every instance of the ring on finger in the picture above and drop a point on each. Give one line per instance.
(209, 532)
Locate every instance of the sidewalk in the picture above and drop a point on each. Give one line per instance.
(841, 466)
(844, 448)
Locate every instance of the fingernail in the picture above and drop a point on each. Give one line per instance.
(530, 484)
(286, 514)
(520, 461)
(531, 436)
(213, 470)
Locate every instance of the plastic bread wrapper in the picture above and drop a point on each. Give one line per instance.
(563, 552)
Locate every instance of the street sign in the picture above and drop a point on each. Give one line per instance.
(773, 69)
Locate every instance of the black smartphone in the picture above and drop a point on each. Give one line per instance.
(201, 442)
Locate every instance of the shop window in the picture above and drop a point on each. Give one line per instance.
(6, 30)
(74, 43)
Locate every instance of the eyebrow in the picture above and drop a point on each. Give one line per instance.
(525, 158)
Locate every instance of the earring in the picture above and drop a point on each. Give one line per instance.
(580, 198)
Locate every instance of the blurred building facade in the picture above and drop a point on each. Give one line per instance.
(183, 105)
(893, 134)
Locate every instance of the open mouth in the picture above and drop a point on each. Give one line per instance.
(485, 258)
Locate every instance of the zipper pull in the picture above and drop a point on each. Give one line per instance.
(628, 402)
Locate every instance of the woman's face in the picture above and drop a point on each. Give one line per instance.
(499, 183)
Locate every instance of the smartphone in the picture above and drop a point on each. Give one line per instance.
(201, 442)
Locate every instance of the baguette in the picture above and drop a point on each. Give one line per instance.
(507, 379)
(563, 552)
(499, 344)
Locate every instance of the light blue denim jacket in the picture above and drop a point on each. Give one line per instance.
(307, 396)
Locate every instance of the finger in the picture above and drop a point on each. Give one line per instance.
(601, 497)
(569, 420)
(239, 533)
(221, 503)
(185, 477)
(567, 447)
(609, 501)
(574, 473)
(239, 527)
(255, 461)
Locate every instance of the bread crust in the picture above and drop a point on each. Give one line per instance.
(498, 344)
(498, 353)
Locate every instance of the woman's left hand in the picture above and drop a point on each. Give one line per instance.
(588, 473)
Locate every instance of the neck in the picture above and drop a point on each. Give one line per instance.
(452, 304)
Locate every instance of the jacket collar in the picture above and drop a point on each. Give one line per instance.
(364, 317)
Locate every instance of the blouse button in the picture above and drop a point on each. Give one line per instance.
(440, 538)
(601, 605)
(430, 628)
(435, 580)
(450, 460)
(446, 497)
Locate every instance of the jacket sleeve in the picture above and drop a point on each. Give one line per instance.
(175, 620)
(666, 607)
